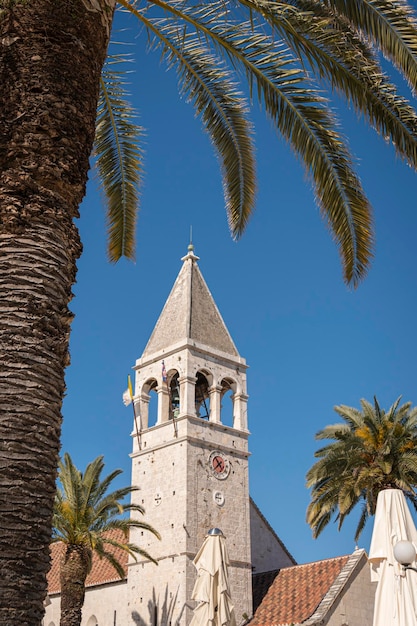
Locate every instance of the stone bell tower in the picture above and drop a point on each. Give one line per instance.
(190, 455)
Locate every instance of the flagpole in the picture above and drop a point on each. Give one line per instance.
(138, 432)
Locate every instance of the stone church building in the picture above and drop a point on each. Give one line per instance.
(190, 459)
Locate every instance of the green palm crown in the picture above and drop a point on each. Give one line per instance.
(85, 513)
(372, 450)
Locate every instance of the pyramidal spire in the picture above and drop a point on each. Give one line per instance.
(190, 314)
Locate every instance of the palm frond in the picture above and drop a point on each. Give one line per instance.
(91, 480)
(132, 548)
(71, 481)
(332, 42)
(362, 522)
(118, 158)
(336, 52)
(391, 26)
(109, 556)
(301, 115)
(352, 416)
(333, 431)
(209, 86)
(103, 486)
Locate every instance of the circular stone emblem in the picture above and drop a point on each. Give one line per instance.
(218, 498)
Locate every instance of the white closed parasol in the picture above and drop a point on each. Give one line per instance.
(396, 592)
(211, 589)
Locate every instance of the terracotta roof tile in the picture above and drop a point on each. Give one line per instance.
(297, 591)
(101, 572)
(260, 585)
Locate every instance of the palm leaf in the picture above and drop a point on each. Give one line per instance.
(118, 158)
(362, 522)
(300, 114)
(390, 25)
(336, 52)
(209, 86)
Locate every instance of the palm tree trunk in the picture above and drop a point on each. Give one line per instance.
(73, 572)
(51, 55)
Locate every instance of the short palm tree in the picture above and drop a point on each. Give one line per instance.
(372, 450)
(85, 515)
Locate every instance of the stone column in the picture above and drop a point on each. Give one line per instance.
(240, 411)
(163, 404)
(187, 395)
(215, 404)
(143, 410)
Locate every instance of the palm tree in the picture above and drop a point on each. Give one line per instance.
(52, 53)
(372, 450)
(85, 515)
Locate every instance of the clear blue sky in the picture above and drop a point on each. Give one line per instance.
(310, 342)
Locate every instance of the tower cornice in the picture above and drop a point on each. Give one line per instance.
(193, 346)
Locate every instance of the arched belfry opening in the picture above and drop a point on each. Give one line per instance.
(202, 394)
(149, 403)
(174, 394)
(227, 395)
(192, 357)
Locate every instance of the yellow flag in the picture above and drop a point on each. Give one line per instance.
(129, 386)
(128, 394)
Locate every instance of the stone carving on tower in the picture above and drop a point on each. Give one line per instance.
(189, 460)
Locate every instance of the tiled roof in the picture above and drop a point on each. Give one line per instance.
(260, 585)
(101, 572)
(297, 591)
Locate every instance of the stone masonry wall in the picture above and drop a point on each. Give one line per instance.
(180, 495)
(268, 553)
(106, 603)
(356, 606)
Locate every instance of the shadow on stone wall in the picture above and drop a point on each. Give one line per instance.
(160, 613)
